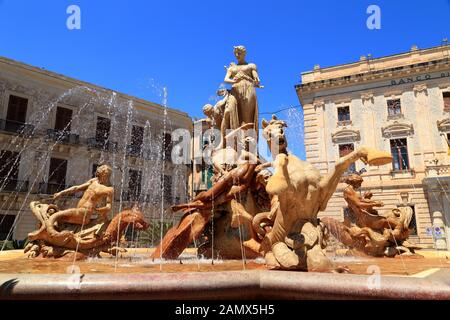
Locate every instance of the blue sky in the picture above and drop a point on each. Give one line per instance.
(183, 45)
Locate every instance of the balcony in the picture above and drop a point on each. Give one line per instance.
(103, 145)
(13, 185)
(395, 116)
(63, 136)
(15, 127)
(51, 187)
(403, 174)
(134, 150)
(437, 171)
(344, 123)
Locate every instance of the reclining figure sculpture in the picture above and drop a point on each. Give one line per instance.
(63, 233)
(298, 238)
(372, 233)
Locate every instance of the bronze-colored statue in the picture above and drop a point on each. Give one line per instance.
(371, 233)
(95, 192)
(234, 200)
(72, 231)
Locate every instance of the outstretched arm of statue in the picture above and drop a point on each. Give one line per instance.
(255, 75)
(263, 166)
(73, 190)
(352, 197)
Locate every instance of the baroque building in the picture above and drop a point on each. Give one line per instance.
(398, 103)
(55, 131)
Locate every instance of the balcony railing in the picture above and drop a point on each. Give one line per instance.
(395, 116)
(134, 150)
(103, 145)
(437, 170)
(16, 127)
(63, 136)
(13, 185)
(51, 187)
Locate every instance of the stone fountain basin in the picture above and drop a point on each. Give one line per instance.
(428, 278)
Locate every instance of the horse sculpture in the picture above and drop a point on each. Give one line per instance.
(298, 238)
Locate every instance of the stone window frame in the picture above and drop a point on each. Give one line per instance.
(345, 135)
(340, 102)
(96, 116)
(5, 103)
(344, 122)
(443, 91)
(136, 123)
(67, 106)
(410, 146)
(403, 130)
(354, 146)
(394, 96)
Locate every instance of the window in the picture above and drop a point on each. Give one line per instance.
(103, 129)
(63, 119)
(137, 139)
(9, 170)
(7, 222)
(134, 184)
(345, 149)
(17, 109)
(343, 114)
(16, 114)
(399, 151)
(56, 175)
(446, 96)
(167, 189)
(394, 107)
(168, 146)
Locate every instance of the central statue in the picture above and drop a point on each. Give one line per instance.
(249, 211)
(238, 106)
(243, 78)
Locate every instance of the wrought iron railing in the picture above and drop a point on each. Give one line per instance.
(63, 136)
(16, 127)
(134, 150)
(103, 145)
(13, 185)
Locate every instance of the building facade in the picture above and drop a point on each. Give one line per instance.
(55, 131)
(398, 103)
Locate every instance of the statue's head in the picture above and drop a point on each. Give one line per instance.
(273, 132)
(240, 52)
(222, 92)
(103, 173)
(208, 110)
(353, 179)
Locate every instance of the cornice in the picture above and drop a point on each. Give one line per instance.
(374, 75)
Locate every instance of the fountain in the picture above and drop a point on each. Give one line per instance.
(257, 217)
